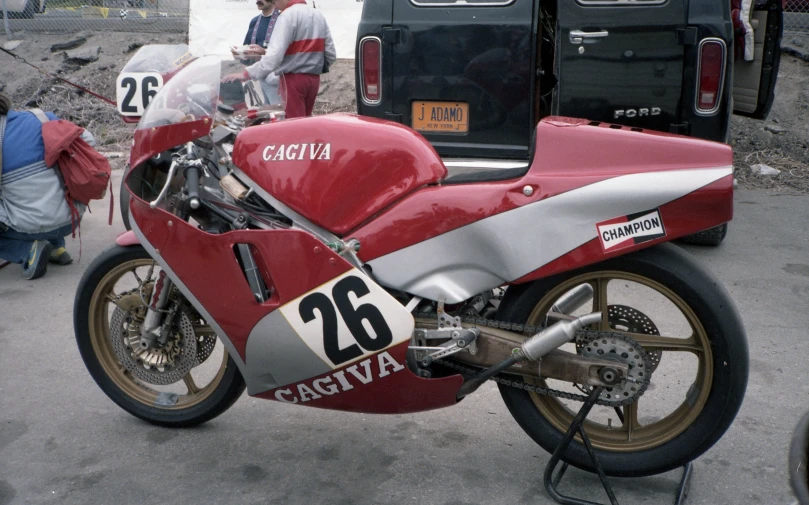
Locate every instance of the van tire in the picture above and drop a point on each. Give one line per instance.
(710, 237)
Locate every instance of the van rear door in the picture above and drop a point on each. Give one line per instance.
(754, 78)
(620, 61)
(463, 74)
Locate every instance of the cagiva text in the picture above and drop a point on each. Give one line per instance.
(338, 382)
(293, 152)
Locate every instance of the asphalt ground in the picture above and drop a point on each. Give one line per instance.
(62, 441)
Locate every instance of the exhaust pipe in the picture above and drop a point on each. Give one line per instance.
(573, 299)
(533, 349)
(553, 336)
(570, 302)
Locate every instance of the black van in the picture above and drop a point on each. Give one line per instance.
(475, 76)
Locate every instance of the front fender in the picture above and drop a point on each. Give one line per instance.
(127, 238)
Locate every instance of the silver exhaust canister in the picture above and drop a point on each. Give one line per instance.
(555, 335)
(533, 349)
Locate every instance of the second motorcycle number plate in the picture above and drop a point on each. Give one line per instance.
(450, 117)
(348, 318)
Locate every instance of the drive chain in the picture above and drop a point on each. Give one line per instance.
(582, 336)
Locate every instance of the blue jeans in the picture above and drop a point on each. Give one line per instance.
(16, 246)
(270, 92)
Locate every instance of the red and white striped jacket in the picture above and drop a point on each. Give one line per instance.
(301, 43)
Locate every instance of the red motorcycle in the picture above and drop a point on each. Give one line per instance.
(342, 265)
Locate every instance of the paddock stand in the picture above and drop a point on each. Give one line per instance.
(577, 426)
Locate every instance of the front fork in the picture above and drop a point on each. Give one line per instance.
(150, 330)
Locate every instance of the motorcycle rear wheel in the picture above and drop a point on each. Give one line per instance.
(186, 402)
(682, 421)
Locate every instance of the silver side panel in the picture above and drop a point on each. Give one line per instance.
(274, 345)
(483, 255)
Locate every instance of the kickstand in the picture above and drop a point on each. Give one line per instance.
(577, 426)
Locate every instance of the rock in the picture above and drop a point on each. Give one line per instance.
(798, 52)
(73, 44)
(761, 169)
(84, 55)
(12, 45)
(134, 46)
(774, 128)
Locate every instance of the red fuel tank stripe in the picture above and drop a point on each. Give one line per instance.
(307, 46)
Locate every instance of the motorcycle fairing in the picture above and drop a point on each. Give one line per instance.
(678, 218)
(276, 343)
(340, 322)
(508, 246)
(337, 170)
(378, 384)
(570, 154)
(154, 140)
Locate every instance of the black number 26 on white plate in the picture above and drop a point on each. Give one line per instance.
(348, 318)
(134, 91)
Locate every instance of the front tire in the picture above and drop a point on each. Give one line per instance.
(661, 277)
(108, 291)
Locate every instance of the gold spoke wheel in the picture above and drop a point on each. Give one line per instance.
(630, 435)
(103, 301)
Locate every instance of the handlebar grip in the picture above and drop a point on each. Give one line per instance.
(192, 185)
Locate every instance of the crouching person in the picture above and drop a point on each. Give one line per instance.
(35, 214)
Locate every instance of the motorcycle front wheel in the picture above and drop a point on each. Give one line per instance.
(186, 381)
(689, 327)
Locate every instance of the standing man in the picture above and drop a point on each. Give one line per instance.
(300, 50)
(258, 38)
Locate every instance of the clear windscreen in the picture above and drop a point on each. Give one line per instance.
(161, 58)
(201, 89)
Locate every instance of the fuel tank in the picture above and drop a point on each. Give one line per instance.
(337, 170)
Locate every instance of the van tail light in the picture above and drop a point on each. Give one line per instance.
(710, 75)
(371, 70)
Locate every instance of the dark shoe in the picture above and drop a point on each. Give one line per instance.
(37, 263)
(60, 256)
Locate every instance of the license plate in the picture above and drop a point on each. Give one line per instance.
(451, 117)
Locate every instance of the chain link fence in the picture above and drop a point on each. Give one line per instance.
(796, 16)
(171, 16)
(71, 16)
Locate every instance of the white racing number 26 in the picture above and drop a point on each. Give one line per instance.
(134, 91)
(348, 318)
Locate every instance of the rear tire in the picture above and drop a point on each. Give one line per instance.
(710, 237)
(709, 406)
(92, 326)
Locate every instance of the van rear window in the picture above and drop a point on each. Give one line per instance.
(620, 2)
(461, 3)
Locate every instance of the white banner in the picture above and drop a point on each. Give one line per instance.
(214, 26)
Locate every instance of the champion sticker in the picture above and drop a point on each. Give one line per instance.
(629, 230)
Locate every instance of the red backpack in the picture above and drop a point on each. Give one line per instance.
(86, 173)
